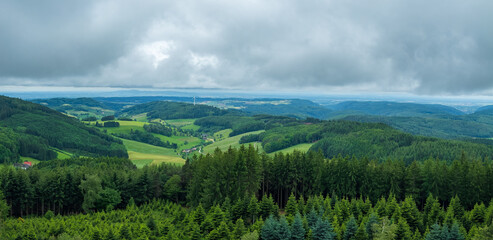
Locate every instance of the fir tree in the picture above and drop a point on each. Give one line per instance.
(270, 229)
(351, 228)
(322, 230)
(291, 206)
(403, 231)
(253, 208)
(297, 230)
(361, 232)
(455, 233)
(435, 233)
(369, 225)
(283, 229)
(239, 229)
(124, 232)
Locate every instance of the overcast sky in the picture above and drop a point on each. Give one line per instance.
(418, 47)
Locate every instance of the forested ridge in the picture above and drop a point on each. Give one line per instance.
(372, 140)
(174, 110)
(243, 193)
(31, 130)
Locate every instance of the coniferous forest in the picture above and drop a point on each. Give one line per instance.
(244, 194)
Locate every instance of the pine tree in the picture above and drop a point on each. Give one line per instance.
(351, 228)
(297, 229)
(312, 219)
(369, 225)
(417, 235)
(199, 214)
(322, 230)
(124, 232)
(4, 207)
(110, 235)
(478, 214)
(253, 208)
(455, 233)
(267, 207)
(361, 232)
(435, 233)
(239, 229)
(151, 224)
(291, 206)
(195, 233)
(403, 231)
(270, 229)
(283, 229)
(445, 232)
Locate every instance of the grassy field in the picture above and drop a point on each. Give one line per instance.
(62, 154)
(191, 127)
(126, 126)
(143, 154)
(226, 143)
(223, 134)
(180, 122)
(29, 159)
(304, 147)
(140, 117)
(180, 140)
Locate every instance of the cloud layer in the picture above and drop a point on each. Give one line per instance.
(421, 47)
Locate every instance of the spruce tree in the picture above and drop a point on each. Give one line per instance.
(270, 229)
(253, 208)
(124, 232)
(291, 206)
(297, 230)
(369, 225)
(435, 233)
(283, 229)
(239, 229)
(455, 233)
(322, 230)
(199, 214)
(351, 228)
(403, 231)
(361, 232)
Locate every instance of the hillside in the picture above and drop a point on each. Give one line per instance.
(173, 110)
(33, 130)
(79, 107)
(448, 127)
(372, 140)
(384, 108)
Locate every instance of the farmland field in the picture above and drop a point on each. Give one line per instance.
(180, 122)
(223, 134)
(143, 154)
(226, 143)
(303, 147)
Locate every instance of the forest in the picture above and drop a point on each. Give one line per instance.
(174, 110)
(32, 130)
(241, 193)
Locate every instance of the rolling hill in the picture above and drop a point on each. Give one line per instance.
(173, 110)
(32, 130)
(384, 108)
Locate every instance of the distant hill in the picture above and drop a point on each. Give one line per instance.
(102, 106)
(297, 108)
(485, 110)
(449, 127)
(372, 140)
(32, 130)
(391, 109)
(174, 110)
(80, 107)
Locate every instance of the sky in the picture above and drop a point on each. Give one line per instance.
(433, 48)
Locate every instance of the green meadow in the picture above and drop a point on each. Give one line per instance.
(228, 142)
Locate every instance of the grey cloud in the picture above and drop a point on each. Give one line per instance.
(411, 46)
